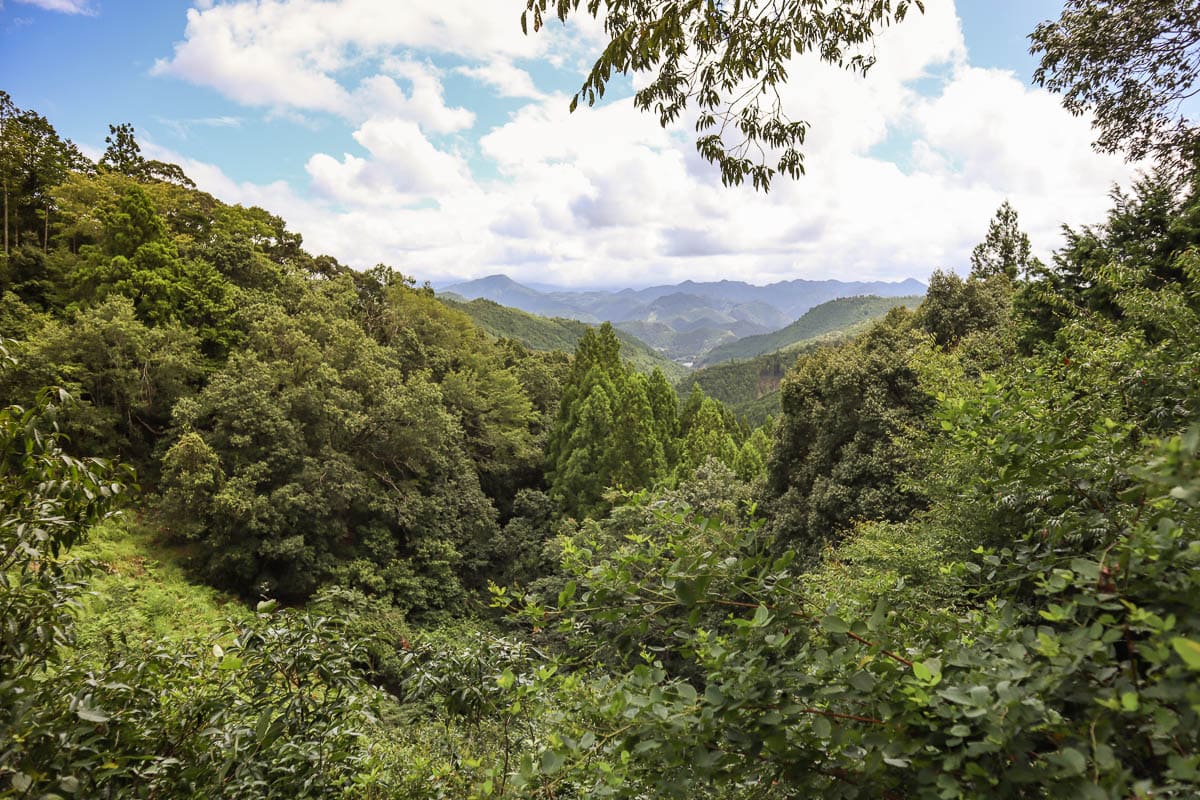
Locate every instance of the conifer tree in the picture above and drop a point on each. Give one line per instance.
(664, 405)
(707, 437)
(638, 458)
(1006, 249)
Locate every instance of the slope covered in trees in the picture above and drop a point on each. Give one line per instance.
(557, 333)
(964, 563)
(841, 317)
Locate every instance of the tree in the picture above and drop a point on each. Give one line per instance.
(1149, 227)
(124, 155)
(841, 446)
(707, 437)
(638, 455)
(274, 710)
(954, 308)
(727, 60)
(9, 153)
(1006, 250)
(33, 160)
(1134, 65)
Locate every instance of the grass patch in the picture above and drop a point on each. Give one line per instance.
(140, 590)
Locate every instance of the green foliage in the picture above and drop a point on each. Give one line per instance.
(1006, 249)
(1133, 65)
(749, 388)
(33, 159)
(139, 593)
(126, 376)
(954, 308)
(264, 714)
(841, 442)
(607, 431)
(1148, 228)
(1032, 633)
(310, 454)
(136, 258)
(124, 155)
(708, 436)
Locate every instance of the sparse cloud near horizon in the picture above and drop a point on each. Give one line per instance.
(61, 6)
(905, 167)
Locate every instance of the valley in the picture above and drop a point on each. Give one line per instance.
(685, 321)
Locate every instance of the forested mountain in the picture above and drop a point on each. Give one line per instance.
(271, 527)
(840, 317)
(557, 333)
(687, 320)
(751, 387)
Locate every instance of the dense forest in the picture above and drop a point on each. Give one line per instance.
(275, 527)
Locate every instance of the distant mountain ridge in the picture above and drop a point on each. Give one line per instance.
(685, 320)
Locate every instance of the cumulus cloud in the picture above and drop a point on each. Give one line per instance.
(905, 166)
(404, 168)
(290, 53)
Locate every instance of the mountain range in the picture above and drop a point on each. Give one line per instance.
(683, 321)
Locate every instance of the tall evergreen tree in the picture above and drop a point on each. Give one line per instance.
(664, 405)
(707, 437)
(613, 428)
(1006, 249)
(638, 456)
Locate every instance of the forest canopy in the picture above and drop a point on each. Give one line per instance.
(275, 527)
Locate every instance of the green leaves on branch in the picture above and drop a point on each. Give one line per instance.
(722, 65)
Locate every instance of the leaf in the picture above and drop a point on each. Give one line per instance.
(506, 679)
(91, 714)
(821, 727)
(1071, 760)
(1188, 650)
(761, 617)
(835, 624)
(552, 761)
(863, 681)
(230, 663)
(922, 672)
(685, 593)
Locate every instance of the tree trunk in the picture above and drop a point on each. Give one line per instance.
(6, 215)
(46, 234)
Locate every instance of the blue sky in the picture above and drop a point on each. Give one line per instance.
(432, 135)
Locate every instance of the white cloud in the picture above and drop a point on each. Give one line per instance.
(63, 6)
(404, 168)
(290, 52)
(905, 166)
(507, 79)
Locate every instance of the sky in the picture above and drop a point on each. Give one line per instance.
(433, 136)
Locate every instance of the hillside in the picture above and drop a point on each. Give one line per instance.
(842, 315)
(683, 321)
(750, 387)
(557, 333)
